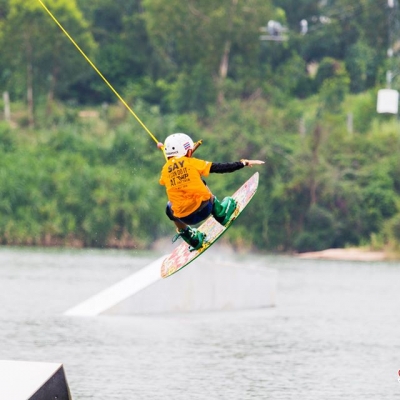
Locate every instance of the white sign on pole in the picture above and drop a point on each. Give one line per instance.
(388, 101)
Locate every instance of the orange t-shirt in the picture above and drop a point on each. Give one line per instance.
(182, 180)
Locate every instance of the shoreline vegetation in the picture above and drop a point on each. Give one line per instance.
(363, 254)
(81, 185)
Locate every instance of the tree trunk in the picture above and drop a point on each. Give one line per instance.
(7, 110)
(29, 95)
(29, 82)
(223, 70)
(224, 64)
(52, 88)
(315, 161)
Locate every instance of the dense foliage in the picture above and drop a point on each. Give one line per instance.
(306, 105)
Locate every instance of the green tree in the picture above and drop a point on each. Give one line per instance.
(319, 230)
(297, 10)
(334, 87)
(208, 34)
(46, 61)
(361, 65)
(124, 53)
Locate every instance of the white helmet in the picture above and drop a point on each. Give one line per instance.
(177, 145)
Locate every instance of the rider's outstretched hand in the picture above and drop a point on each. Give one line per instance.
(250, 163)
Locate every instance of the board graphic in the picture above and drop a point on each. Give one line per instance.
(181, 256)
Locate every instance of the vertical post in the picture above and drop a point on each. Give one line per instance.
(7, 110)
(29, 80)
(29, 94)
(302, 127)
(350, 123)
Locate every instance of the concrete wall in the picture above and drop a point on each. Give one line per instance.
(206, 287)
(208, 284)
(23, 380)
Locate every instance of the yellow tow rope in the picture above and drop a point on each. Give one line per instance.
(102, 76)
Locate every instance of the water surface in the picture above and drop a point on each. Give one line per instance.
(334, 334)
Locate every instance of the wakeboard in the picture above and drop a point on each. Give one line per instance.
(182, 256)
